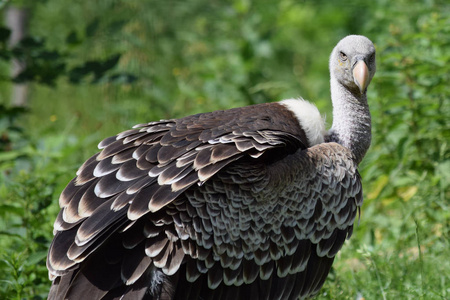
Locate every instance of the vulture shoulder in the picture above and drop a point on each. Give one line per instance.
(236, 203)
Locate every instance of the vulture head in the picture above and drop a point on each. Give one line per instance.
(352, 67)
(352, 63)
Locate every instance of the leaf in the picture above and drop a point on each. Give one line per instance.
(444, 169)
(96, 67)
(406, 180)
(72, 38)
(92, 27)
(407, 192)
(122, 78)
(6, 209)
(36, 257)
(4, 34)
(377, 187)
(6, 233)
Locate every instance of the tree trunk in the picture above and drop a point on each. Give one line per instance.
(17, 21)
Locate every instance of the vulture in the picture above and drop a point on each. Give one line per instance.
(246, 203)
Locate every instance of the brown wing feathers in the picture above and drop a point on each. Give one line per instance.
(178, 218)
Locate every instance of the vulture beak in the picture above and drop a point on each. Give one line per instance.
(361, 75)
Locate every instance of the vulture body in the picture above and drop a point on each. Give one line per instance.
(250, 202)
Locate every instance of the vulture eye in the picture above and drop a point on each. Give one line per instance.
(343, 56)
(372, 58)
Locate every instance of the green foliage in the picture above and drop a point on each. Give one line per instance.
(24, 215)
(26, 192)
(44, 65)
(127, 62)
(32, 173)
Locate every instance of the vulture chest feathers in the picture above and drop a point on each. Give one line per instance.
(243, 203)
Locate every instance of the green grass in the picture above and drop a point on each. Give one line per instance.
(399, 250)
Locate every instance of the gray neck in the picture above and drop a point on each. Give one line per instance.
(351, 120)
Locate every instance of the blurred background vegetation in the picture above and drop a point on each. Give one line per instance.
(85, 70)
